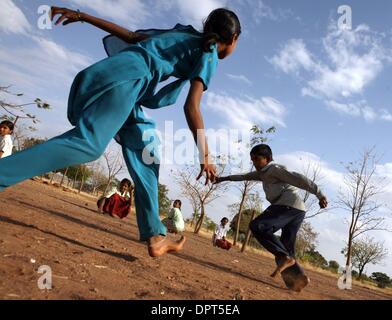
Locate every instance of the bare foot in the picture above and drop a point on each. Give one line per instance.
(286, 263)
(160, 245)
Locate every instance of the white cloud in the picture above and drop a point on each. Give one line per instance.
(135, 13)
(354, 60)
(12, 19)
(196, 11)
(386, 115)
(244, 113)
(51, 61)
(261, 11)
(130, 13)
(359, 109)
(240, 77)
(293, 57)
(350, 108)
(298, 161)
(48, 77)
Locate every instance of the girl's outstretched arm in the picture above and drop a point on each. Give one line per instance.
(69, 16)
(196, 125)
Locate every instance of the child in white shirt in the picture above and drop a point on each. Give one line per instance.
(175, 222)
(219, 237)
(6, 145)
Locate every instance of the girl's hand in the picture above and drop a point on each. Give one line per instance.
(67, 15)
(210, 171)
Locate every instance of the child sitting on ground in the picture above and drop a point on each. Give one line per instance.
(118, 201)
(6, 129)
(287, 210)
(219, 237)
(175, 222)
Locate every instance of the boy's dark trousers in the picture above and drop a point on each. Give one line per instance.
(273, 219)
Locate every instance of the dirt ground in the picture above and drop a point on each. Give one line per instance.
(95, 256)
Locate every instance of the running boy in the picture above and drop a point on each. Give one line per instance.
(287, 210)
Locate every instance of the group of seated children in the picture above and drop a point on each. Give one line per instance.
(118, 203)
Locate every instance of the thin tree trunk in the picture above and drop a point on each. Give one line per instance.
(248, 233)
(200, 221)
(194, 217)
(51, 178)
(75, 178)
(81, 182)
(361, 271)
(64, 174)
(107, 186)
(237, 231)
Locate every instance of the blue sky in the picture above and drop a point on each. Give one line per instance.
(327, 91)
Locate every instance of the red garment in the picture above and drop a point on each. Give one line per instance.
(224, 244)
(117, 205)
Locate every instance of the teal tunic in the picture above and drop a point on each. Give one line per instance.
(105, 102)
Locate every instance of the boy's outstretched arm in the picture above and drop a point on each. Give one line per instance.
(300, 181)
(254, 176)
(69, 16)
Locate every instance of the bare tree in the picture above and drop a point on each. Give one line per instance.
(306, 239)
(191, 195)
(197, 191)
(98, 179)
(313, 172)
(114, 165)
(365, 251)
(360, 198)
(15, 111)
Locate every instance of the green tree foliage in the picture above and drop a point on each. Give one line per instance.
(333, 266)
(381, 279)
(163, 200)
(209, 224)
(31, 142)
(366, 251)
(245, 220)
(315, 258)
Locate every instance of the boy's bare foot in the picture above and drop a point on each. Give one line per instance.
(159, 245)
(286, 263)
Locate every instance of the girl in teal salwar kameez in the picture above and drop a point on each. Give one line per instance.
(105, 102)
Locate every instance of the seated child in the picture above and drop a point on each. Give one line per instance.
(219, 237)
(175, 222)
(118, 201)
(287, 210)
(6, 129)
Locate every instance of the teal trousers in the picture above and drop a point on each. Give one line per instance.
(109, 112)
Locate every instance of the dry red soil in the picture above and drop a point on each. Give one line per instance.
(95, 256)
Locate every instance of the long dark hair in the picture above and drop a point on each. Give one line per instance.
(221, 25)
